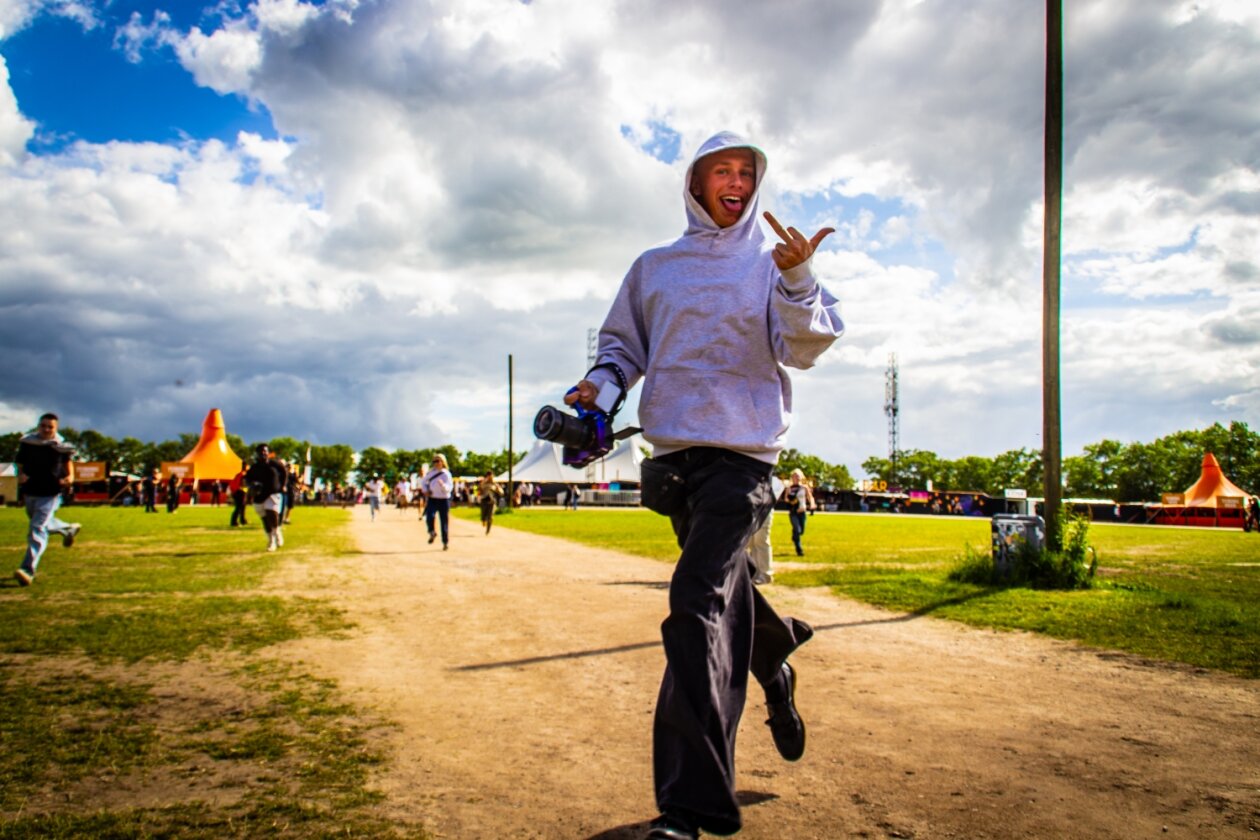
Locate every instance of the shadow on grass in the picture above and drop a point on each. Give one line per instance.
(926, 609)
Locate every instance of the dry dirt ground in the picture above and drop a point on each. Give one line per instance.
(522, 673)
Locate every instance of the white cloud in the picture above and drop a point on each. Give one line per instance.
(15, 130)
(453, 184)
(224, 60)
(283, 16)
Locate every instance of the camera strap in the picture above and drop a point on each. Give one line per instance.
(621, 381)
(621, 400)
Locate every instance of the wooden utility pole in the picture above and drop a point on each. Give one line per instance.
(1051, 420)
(510, 488)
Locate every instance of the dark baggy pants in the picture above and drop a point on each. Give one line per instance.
(719, 629)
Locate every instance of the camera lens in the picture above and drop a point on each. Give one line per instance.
(566, 429)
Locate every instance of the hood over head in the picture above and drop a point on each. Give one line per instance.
(698, 219)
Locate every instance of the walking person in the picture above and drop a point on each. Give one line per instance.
(709, 322)
(172, 493)
(236, 488)
(800, 500)
(44, 471)
(266, 483)
(148, 491)
(291, 483)
(488, 493)
(437, 485)
(373, 492)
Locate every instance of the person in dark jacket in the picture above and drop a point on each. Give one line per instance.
(148, 489)
(172, 493)
(266, 483)
(44, 471)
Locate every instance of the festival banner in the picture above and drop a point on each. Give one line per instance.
(85, 471)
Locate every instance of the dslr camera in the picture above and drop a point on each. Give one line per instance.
(587, 435)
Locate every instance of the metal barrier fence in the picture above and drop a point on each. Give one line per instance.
(629, 498)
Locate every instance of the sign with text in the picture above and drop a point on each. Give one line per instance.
(1174, 498)
(89, 471)
(184, 469)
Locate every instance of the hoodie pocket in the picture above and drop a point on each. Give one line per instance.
(709, 407)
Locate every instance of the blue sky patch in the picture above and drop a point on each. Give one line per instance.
(663, 144)
(76, 85)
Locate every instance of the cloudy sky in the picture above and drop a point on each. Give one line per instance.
(335, 220)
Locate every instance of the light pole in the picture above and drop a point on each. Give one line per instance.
(1050, 413)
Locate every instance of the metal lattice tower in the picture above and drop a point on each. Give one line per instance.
(893, 410)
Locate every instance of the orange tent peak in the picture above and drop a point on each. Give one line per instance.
(1211, 485)
(212, 457)
(214, 421)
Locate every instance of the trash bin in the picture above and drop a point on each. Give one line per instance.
(1008, 531)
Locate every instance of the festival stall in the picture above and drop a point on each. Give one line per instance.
(209, 461)
(1212, 502)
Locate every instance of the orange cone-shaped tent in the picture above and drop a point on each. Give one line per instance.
(1212, 484)
(212, 457)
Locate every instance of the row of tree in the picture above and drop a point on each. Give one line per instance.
(1109, 469)
(333, 464)
(1106, 470)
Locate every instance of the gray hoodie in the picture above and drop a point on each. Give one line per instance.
(709, 323)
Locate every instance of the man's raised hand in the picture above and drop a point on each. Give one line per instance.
(795, 248)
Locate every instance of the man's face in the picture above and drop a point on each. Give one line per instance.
(263, 453)
(48, 429)
(723, 182)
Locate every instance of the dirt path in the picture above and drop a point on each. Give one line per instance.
(522, 673)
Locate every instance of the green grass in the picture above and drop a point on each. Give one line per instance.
(88, 695)
(1181, 595)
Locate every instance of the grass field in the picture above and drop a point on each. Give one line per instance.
(137, 662)
(1188, 595)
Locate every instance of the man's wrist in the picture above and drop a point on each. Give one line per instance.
(798, 280)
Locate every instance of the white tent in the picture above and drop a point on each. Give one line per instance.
(622, 464)
(543, 464)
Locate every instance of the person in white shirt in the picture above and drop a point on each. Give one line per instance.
(437, 485)
(373, 492)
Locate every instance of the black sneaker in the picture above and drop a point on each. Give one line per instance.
(671, 827)
(785, 724)
(68, 539)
